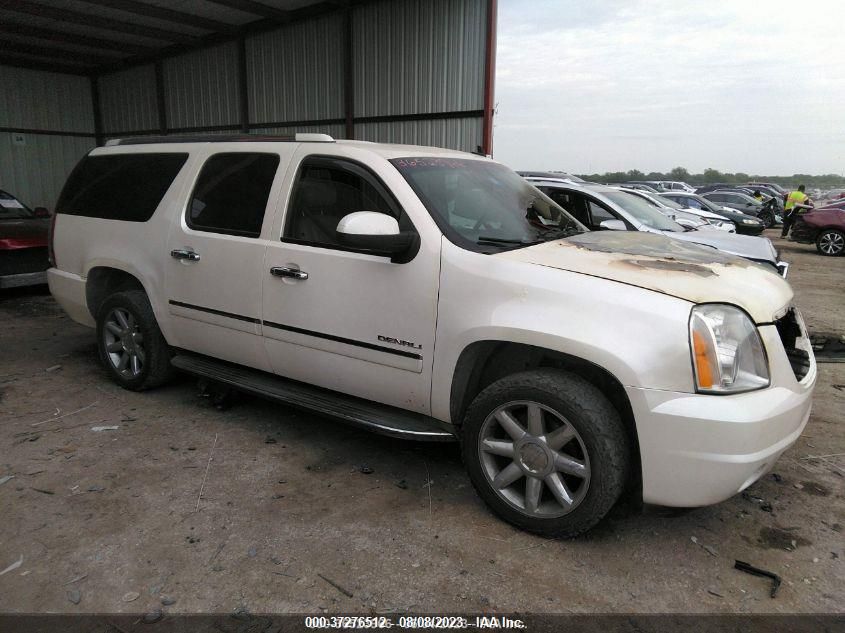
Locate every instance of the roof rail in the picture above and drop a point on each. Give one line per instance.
(299, 137)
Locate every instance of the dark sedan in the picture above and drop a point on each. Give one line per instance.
(824, 227)
(23, 243)
(745, 224)
(744, 204)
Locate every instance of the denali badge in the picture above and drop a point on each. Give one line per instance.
(397, 341)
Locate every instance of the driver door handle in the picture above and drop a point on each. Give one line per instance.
(293, 273)
(181, 253)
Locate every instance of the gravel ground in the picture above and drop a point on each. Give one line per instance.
(302, 514)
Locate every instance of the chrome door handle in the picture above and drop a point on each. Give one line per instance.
(293, 273)
(181, 253)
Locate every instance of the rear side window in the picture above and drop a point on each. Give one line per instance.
(231, 194)
(126, 187)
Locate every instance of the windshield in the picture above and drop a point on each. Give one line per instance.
(11, 208)
(643, 211)
(668, 202)
(484, 206)
(746, 198)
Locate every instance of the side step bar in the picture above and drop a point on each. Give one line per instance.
(371, 416)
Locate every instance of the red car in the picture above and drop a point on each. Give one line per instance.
(23, 243)
(825, 227)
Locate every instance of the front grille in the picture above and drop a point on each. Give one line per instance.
(23, 260)
(790, 332)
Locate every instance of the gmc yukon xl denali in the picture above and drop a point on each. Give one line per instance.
(432, 294)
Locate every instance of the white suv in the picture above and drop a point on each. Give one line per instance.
(428, 294)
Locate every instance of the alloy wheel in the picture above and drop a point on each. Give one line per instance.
(123, 342)
(534, 459)
(831, 243)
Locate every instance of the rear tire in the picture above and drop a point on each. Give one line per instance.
(546, 451)
(129, 342)
(831, 242)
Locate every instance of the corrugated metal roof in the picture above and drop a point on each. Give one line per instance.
(151, 28)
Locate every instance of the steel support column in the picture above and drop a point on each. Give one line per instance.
(489, 78)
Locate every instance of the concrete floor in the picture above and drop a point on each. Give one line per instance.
(109, 521)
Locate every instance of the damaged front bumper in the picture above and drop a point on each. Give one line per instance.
(699, 449)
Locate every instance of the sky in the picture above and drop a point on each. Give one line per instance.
(734, 85)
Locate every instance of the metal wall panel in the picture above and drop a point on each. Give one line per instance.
(461, 134)
(296, 73)
(36, 170)
(414, 56)
(128, 100)
(35, 99)
(201, 88)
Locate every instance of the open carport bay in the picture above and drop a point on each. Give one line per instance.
(186, 508)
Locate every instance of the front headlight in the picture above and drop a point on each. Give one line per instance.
(727, 353)
(751, 222)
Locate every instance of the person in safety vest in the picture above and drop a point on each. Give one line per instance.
(797, 202)
(758, 196)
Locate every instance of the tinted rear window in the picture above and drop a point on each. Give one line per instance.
(125, 187)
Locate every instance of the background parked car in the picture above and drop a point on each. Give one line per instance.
(825, 227)
(746, 224)
(713, 187)
(600, 207)
(769, 185)
(551, 174)
(745, 204)
(23, 243)
(663, 185)
(770, 194)
(833, 204)
(637, 185)
(681, 215)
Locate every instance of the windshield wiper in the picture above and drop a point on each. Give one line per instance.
(559, 234)
(503, 240)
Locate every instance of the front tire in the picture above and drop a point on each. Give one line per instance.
(546, 451)
(129, 342)
(768, 219)
(831, 242)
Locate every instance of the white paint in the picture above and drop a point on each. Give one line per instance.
(627, 313)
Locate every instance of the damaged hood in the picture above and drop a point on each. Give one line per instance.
(748, 246)
(698, 274)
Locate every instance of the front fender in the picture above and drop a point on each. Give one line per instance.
(639, 336)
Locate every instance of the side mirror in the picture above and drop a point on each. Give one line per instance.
(378, 234)
(41, 212)
(690, 225)
(613, 225)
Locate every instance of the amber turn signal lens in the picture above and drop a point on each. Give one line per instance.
(702, 361)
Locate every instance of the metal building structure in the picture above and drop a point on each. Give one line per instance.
(74, 73)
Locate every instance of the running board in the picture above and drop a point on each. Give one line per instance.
(371, 416)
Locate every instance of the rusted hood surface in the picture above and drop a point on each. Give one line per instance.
(688, 271)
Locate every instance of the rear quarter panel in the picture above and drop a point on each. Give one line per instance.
(138, 248)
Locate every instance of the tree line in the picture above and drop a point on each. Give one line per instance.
(710, 176)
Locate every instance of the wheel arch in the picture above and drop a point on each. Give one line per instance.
(483, 362)
(103, 281)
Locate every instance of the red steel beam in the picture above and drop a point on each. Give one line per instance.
(489, 78)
